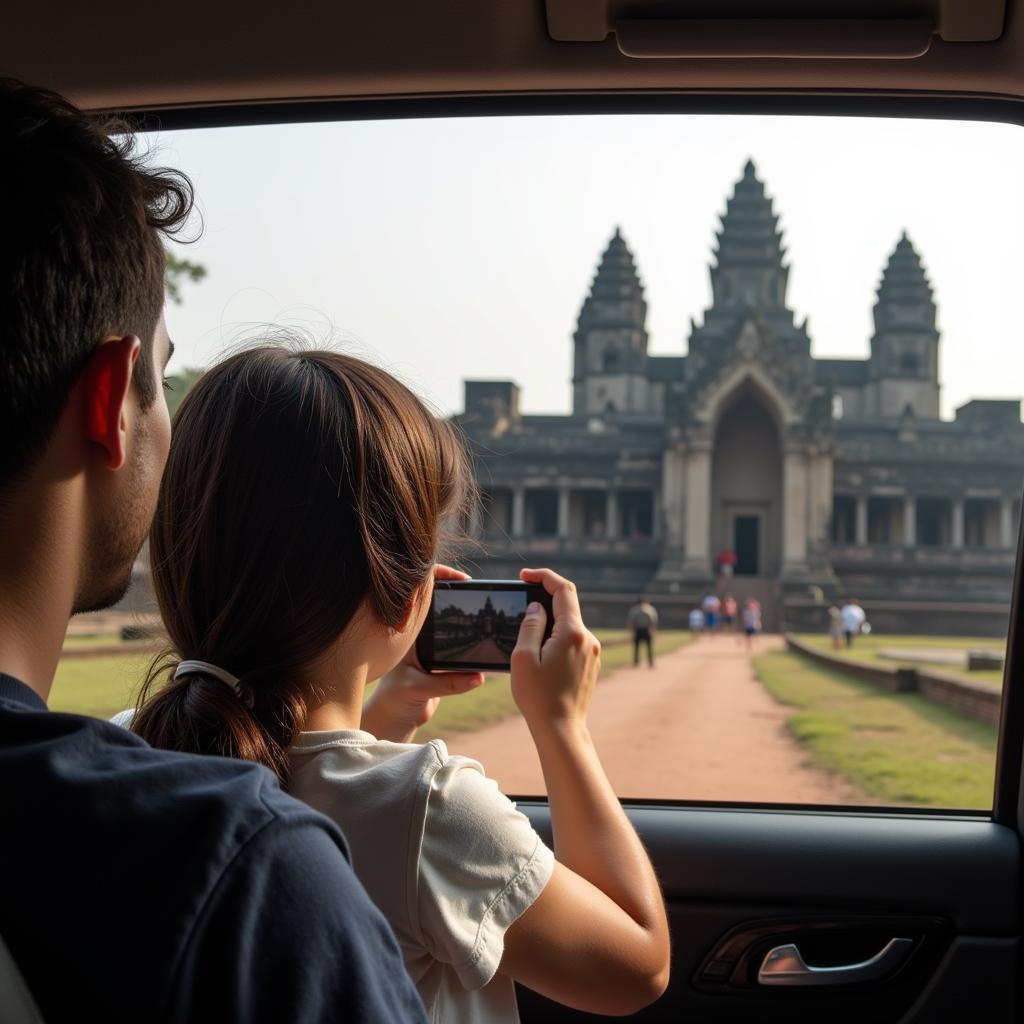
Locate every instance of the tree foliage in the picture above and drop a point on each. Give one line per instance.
(178, 271)
(178, 386)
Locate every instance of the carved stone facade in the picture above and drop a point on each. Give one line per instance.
(822, 476)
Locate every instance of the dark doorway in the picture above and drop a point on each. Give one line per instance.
(747, 530)
(746, 477)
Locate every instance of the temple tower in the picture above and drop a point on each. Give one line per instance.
(610, 343)
(748, 271)
(904, 365)
(748, 464)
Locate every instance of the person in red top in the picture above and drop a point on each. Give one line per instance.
(726, 562)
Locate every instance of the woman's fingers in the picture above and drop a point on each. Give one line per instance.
(531, 635)
(446, 572)
(565, 603)
(444, 684)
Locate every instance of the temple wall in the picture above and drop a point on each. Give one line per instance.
(626, 392)
(853, 404)
(891, 397)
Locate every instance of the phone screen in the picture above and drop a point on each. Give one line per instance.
(474, 624)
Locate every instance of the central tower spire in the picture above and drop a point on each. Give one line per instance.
(748, 271)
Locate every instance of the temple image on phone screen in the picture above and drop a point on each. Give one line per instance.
(477, 625)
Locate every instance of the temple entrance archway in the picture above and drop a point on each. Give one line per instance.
(746, 485)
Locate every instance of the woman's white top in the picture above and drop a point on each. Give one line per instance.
(442, 852)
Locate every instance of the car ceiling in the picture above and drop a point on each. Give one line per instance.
(125, 56)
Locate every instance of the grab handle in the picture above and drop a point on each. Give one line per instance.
(784, 965)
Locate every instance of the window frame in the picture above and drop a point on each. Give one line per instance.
(1008, 796)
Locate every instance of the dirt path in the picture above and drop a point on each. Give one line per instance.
(698, 727)
(486, 651)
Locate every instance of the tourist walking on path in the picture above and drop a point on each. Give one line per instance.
(852, 619)
(751, 620)
(696, 621)
(712, 606)
(835, 626)
(729, 609)
(643, 621)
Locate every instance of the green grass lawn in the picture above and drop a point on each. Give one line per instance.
(105, 685)
(98, 686)
(897, 748)
(92, 640)
(866, 648)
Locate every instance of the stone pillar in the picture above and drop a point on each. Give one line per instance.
(910, 521)
(1006, 523)
(673, 469)
(611, 515)
(698, 513)
(860, 534)
(794, 510)
(820, 501)
(563, 510)
(958, 523)
(518, 512)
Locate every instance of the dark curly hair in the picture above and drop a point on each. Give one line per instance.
(81, 257)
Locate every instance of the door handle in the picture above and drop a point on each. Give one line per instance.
(784, 965)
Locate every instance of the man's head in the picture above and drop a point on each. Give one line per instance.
(82, 342)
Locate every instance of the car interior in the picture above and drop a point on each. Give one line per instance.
(780, 910)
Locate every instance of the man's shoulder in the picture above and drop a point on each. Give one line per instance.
(155, 861)
(114, 792)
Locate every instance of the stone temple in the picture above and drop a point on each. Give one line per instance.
(825, 477)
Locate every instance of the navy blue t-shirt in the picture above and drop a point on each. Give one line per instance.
(142, 885)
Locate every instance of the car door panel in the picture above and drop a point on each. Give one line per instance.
(837, 884)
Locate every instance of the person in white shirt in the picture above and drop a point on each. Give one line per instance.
(751, 620)
(851, 617)
(293, 561)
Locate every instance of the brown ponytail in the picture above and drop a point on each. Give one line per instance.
(299, 485)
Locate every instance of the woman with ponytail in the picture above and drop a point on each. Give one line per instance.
(293, 558)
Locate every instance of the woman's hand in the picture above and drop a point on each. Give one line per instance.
(408, 695)
(553, 680)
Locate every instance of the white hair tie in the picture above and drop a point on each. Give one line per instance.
(204, 668)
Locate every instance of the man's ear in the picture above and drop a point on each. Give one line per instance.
(106, 380)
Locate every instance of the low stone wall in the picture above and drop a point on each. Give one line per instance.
(964, 696)
(903, 616)
(86, 651)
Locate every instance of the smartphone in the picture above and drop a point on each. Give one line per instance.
(473, 625)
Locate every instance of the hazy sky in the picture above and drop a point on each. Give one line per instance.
(447, 249)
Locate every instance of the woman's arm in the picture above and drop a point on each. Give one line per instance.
(597, 936)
